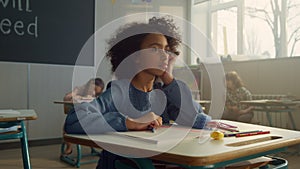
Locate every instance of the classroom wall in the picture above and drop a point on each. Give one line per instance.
(36, 86)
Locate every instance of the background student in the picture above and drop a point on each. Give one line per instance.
(236, 92)
(92, 89)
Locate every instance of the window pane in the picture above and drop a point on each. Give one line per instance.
(293, 28)
(259, 40)
(262, 39)
(224, 31)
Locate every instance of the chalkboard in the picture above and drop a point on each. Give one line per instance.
(46, 31)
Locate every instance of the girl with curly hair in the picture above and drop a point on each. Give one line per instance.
(141, 54)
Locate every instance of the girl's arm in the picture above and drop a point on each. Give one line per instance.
(188, 112)
(179, 96)
(101, 116)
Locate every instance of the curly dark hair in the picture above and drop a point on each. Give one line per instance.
(129, 37)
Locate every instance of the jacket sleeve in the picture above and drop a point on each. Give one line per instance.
(181, 106)
(96, 117)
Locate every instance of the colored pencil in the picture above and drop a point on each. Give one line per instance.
(252, 134)
(244, 132)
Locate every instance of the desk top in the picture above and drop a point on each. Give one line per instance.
(17, 115)
(271, 102)
(72, 102)
(203, 101)
(63, 102)
(193, 150)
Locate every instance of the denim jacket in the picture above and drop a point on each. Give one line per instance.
(109, 111)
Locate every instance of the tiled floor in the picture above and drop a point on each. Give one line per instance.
(47, 157)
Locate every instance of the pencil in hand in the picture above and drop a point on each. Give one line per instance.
(152, 129)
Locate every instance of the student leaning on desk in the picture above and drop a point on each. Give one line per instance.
(140, 54)
(92, 89)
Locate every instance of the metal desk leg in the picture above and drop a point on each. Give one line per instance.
(269, 119)
(75, 160)
(70, 159)
(143, 163)
(292, 120)
(24, 144)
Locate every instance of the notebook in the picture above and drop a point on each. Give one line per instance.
(9, 112)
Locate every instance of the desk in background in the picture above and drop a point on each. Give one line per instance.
(72, 102)
(189, 153)
(205, 104)
(276, 106)
(10, 118)
(68, 105)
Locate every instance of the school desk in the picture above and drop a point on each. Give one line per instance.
(276, 106)
(10, 118)
(194, 152)
(73, 102)
(68, 105)
(205, 104)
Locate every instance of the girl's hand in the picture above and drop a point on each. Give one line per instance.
(249, 109)
(233, 109)
(167, 76)
(171, 62)
(149, 120)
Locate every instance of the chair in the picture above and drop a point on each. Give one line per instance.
(275, 163)
(271, 163)
(136, 164)
(19, 134)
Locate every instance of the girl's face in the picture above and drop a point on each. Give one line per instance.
(98, 90)
(154, 55)
(229, 85)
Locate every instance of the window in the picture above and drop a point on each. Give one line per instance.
(253, 29)
(224, 31)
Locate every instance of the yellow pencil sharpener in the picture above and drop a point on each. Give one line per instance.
(217, 135)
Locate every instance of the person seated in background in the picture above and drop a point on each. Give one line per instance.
(92, 89)
(236, 92)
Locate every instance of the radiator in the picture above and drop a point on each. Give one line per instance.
(280, 120)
